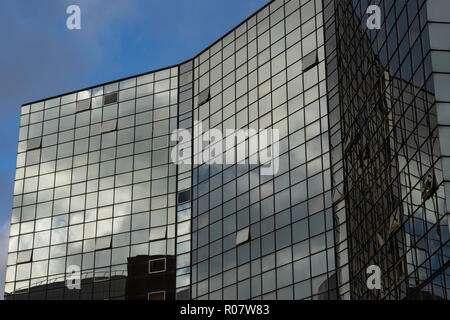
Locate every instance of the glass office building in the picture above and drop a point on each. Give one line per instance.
(364, 167)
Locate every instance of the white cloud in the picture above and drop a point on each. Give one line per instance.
(4, 240)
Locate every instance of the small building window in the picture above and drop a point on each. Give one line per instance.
(33, 157)
(158, 295)
(24, 256)
(83, 105)
(158, 233)
(309, 61)
(184, 196)
(110, 98)
(203, 97)
(103, 243)
(34, 144)
(242, 236)
(109, 126)
(157, 265)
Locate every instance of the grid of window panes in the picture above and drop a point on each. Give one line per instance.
(256, 236)
(94, 186)
(184, 177)
(395, 201)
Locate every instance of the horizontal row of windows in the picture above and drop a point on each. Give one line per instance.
(122, 222)
(62, 206)
(284, 258)
(104, 90)
(155, 225)
(82, 112)
(57, 266)
(232, 257)
(90, 118)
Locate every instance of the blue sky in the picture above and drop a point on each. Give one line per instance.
(41, 58)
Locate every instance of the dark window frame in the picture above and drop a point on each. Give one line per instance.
(108, 95)
(156, 260)
(309, 61)
(184, 192)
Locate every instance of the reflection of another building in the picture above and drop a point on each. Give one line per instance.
(394, 200)
(146, 277)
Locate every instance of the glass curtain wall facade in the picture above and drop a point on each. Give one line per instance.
(363, 118)
(95, 188)
(267, 73)
(395, 201)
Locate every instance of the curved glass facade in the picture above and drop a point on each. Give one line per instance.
(96, 191)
